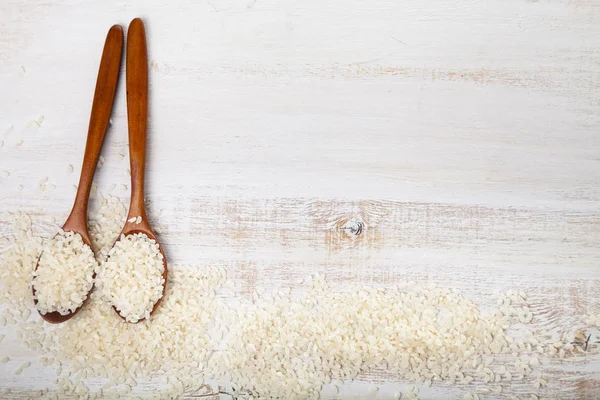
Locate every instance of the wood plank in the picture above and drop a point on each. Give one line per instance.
(460, 139)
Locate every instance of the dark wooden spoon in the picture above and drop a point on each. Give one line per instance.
(137, 118)
(106, 85)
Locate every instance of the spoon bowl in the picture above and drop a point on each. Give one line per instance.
(74, 225)
(131, 228)
(106, 85)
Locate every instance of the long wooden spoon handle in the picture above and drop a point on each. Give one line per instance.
(106, 86)
(137, 112)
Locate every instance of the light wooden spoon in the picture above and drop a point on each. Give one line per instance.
(106, 85)
(137, 118)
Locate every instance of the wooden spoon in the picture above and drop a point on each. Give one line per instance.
(137, 118)
(106, 85)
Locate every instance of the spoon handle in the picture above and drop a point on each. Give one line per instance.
(137, 112)
(106, 86)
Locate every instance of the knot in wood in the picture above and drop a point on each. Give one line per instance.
(353, 227)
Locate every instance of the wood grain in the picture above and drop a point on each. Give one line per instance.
(462, 136)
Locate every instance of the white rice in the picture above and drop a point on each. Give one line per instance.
(64, 275)
(279, 346)
(131, 278)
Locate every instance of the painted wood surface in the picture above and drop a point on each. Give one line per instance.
(462, 139)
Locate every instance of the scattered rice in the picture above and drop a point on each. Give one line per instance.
(278, 347)
(39, 121)
(17, 265)
(105, 225)
(136, 220)
(64, 275)
(92, 343)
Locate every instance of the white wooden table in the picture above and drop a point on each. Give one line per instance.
(463, 136)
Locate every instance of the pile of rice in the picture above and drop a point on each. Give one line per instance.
(279, 346)
(64, 275)
(131, 278)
